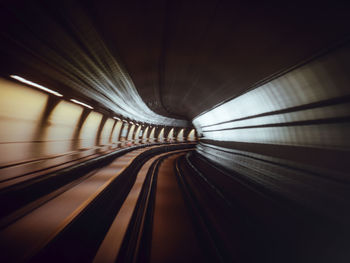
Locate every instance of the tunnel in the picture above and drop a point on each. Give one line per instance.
(175, 131)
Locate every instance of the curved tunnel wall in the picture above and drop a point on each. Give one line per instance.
(36, 125)
(16, 118)
(290, 134)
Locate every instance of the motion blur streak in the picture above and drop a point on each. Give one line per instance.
(35, 125)
(21, 109)
(289, 133)
(93, 70)
(36, 85)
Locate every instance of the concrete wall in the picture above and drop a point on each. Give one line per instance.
(37, 125)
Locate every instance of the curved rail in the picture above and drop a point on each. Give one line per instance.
(50, 223)
(157, 204)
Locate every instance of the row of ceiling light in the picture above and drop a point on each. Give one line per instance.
(23, 80)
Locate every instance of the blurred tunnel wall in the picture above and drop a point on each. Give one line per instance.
(289, 135)
(36, 125)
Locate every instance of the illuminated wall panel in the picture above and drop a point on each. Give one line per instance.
(171, 134)
(191, 136)
(131, 133)
(61, 124)
(180, 136)
(89, 130)
(106, 131)
(145, 134)
(21, 109)
(138, 133)
(124, 132)
(161, 135)
(116, 131)
(151, 135)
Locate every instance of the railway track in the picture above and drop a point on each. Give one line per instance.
(74, 217)
(160, 203)
(40, 177)
(160, 227)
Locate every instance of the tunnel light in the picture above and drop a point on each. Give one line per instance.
(116, 118)
(131, 122)
(35, 85)
(81, 103)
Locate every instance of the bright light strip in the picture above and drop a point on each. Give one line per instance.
(35, 85)
(116, 118)
(81, 103)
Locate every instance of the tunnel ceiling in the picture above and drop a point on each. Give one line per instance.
(183, 57)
